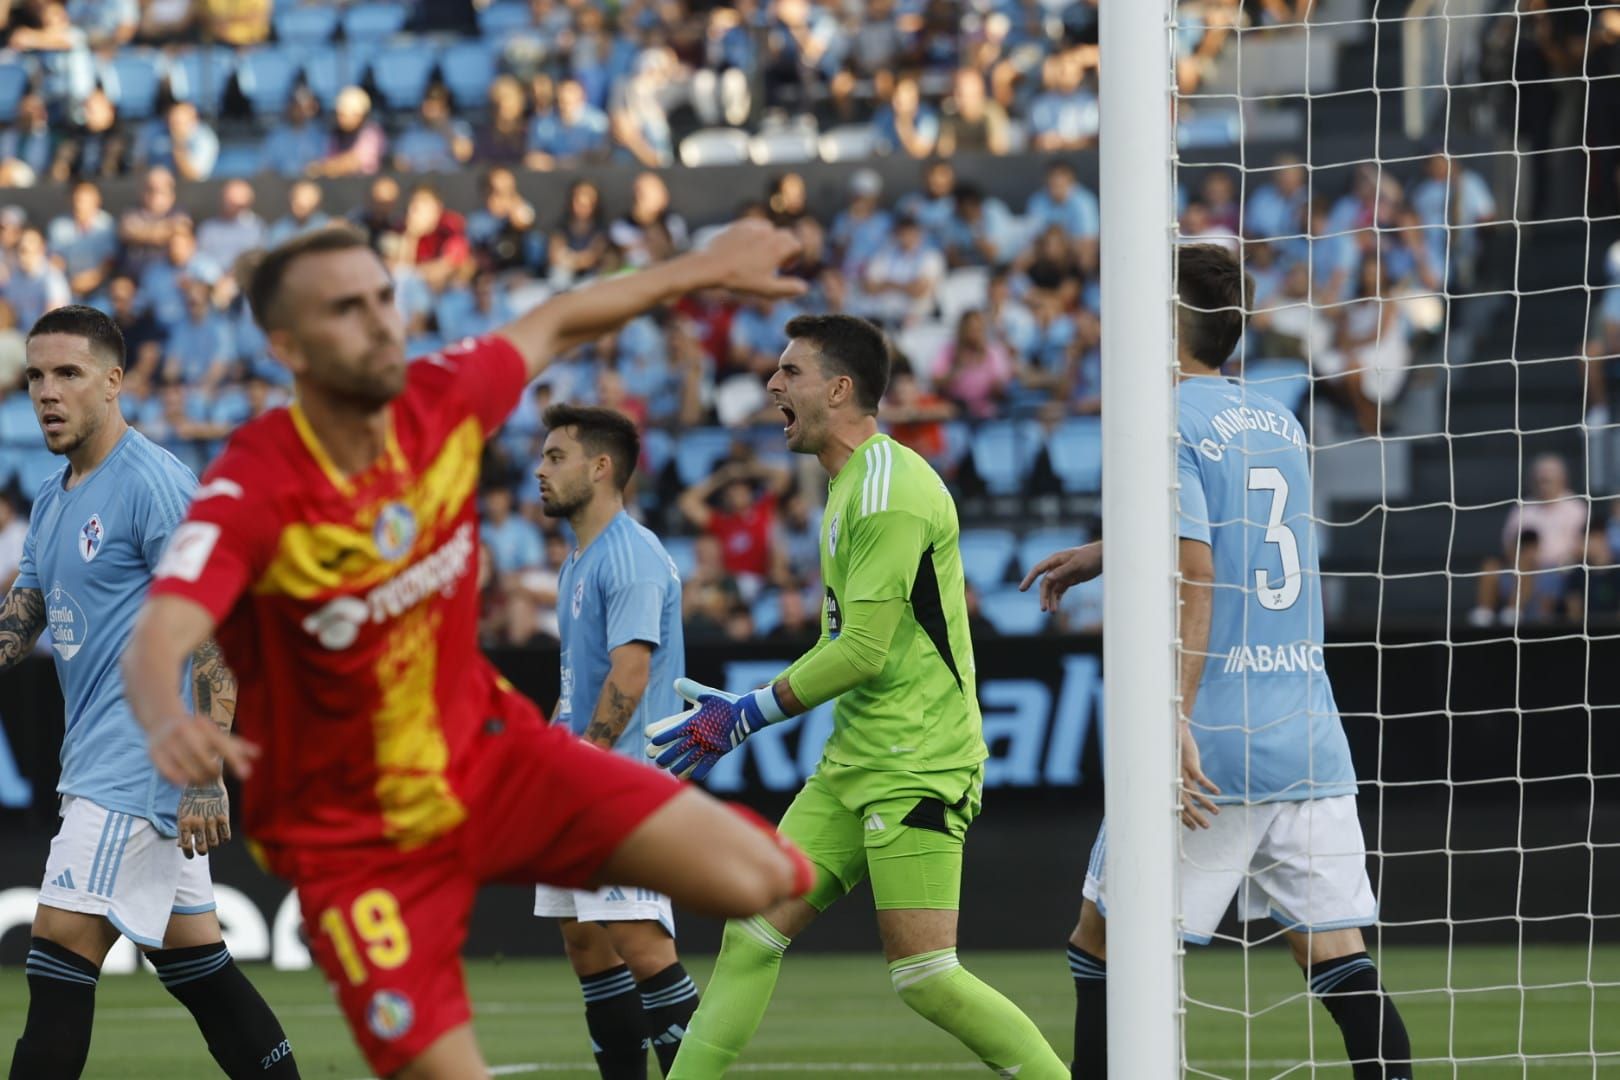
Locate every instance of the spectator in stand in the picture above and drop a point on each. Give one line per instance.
(356, 143)
(580, 241)
(638, 119)
(501, 231)
(237, 23)
(901, 280)
(1367, 368)
(720, 91)
(576, 133)
(1276, 207)
(514, 541)
(1287, 326)
(27, 144)
(199, 352)
(165, 21)
(1454, 201)
(474, 311)
(434, 240)
(13, 220)
(235, 229)
(61, 50)
(973, 371)
(1204, 30)
(788, 200)
(99, 147)
(1053, 275)
(798, 41)
(906, 123)
(504, 138)
(299, 139)
(841, 106)
(178, 141)
(916, 417)
(744, 518)
(758, 334)
(1555, 518)
(974, 122)
(795, 622)
(380, 214)
(1071, 206)
(981, 231)
(875, 41)
(1011, 322)
(859, 232)
(436, 141)
(303, 213)
(143, 337)
(1593, 590)
(1065, 115)
(107, 24)
(1219, 195)
(1334, 257)
(796, 546)
(84, 243)
(162, 281)
(650, 231)
(35, 285)
(934, 207)
(144, 230)
(13, 347)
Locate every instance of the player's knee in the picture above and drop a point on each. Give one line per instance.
(644, 945)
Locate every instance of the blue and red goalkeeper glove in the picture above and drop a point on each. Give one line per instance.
(689, 743)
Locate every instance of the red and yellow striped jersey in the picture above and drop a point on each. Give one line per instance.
(347, 607)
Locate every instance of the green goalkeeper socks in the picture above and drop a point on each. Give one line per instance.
(734, 1001)
(943, 992)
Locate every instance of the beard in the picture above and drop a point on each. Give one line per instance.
(563, 504)
(362, 388)
(70, 440)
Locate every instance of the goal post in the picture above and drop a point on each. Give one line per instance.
(1139, 617)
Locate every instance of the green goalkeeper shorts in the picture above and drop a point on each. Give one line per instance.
(903, 829)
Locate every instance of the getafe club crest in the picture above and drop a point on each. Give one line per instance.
(395, 531)
(90, 538)
(832, 536)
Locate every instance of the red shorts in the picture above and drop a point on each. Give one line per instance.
(387, 926)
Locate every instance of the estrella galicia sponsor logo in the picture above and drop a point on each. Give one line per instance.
(389, 1014)
(395, 531)
(835, 620)
(90, 537)
(66, 618)
(565, 694)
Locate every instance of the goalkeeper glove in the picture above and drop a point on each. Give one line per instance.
(689, 743)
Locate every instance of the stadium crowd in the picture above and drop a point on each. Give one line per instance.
(993, 306)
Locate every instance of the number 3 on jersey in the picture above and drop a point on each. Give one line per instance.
(377, 923)
(1277, 597)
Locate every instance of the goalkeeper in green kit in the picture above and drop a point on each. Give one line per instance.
(902, 775)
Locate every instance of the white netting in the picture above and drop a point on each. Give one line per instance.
(1426, 192)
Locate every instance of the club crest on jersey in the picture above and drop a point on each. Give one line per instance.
(832, 536)
(389, 1014)
(90, 538)
(395, 531)
(579, 598)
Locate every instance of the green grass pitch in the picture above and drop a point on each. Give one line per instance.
(835, 1015)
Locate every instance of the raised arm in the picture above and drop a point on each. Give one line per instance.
(22, 620)
(744, 258)
(622, 690)
(185, 747)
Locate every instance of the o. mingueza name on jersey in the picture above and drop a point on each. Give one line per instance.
(1296, 656)
(1230, 423)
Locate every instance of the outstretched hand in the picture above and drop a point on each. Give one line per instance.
(188, 749)
(747, 257)
(1061, 570)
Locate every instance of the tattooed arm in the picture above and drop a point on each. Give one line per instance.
(205, 809)
(621, 693)
(22, 620)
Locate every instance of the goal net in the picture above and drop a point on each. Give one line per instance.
(1425, 194)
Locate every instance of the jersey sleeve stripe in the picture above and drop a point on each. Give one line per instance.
(866, 484)
(888, 470)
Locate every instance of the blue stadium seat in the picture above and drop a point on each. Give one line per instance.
(683, 553)
(18, 425)
(657, 448)
(132, 79)
(1075, 451)
(1013, 612)
(698, 453)
(403, 78)
(468, 68)
(373, 22)
(35, 467)
(239, 159)
(313, 24)
(767, 613)
(200, 75)
(266, 77)
(10, 460)
(1004, 453)
(985, 555)
(13, 85)
(1082, 606)
(1289, 381)
(329, 68)
(1039, 543)
(502, 18)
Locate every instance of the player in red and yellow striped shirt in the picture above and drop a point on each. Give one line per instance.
(333, 550)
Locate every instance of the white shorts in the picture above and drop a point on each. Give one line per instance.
(103, 862)
(611, 904)
(1303, 864)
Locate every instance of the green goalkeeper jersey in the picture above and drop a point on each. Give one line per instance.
(894, 641)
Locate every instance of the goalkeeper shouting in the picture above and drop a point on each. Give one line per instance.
(902, 775)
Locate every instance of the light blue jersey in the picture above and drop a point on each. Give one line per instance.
(621, 587)
(1265, 719)
(91, 552)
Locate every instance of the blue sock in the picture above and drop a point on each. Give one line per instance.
(1090, 1015)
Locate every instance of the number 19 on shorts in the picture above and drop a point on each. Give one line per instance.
(372, 930)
